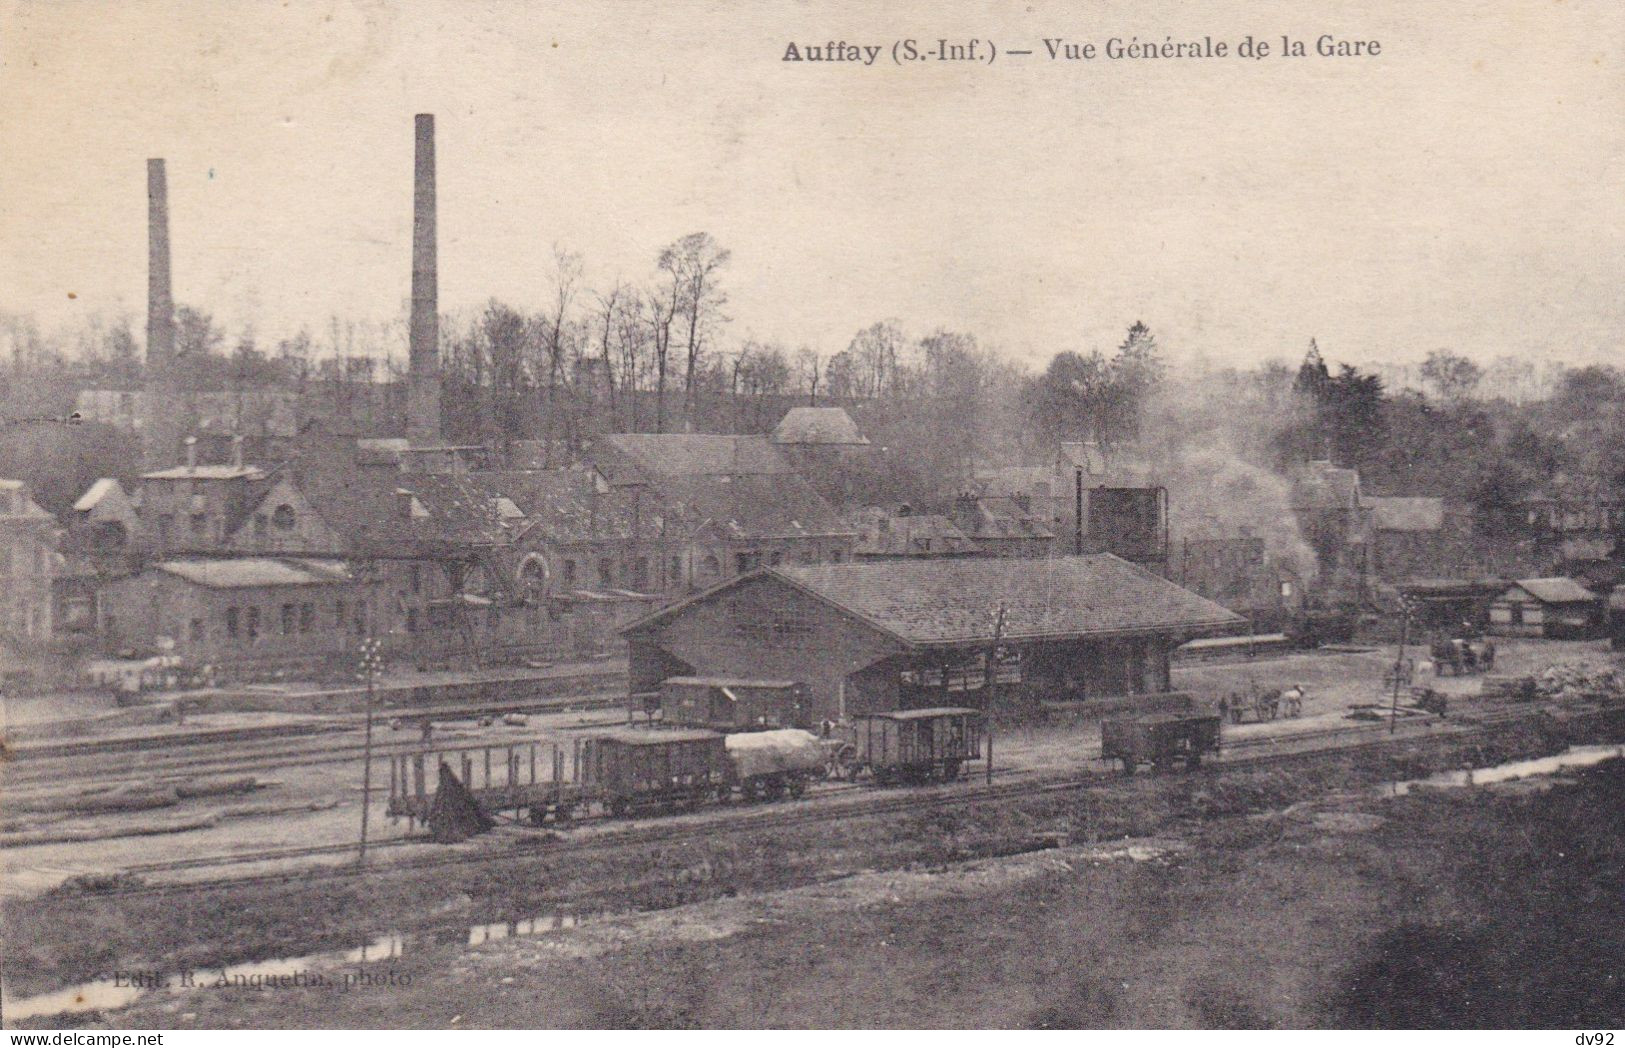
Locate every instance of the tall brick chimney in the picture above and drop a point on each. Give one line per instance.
(160, 428)
(423, 379)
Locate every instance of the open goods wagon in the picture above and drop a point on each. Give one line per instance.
(910, 745)
(618, 772)
(1159, 739)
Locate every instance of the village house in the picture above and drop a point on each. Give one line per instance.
(1335, 522)
(28, 560)
(267, 613)
(1555, 608)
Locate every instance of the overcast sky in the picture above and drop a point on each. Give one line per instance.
(1466, 189)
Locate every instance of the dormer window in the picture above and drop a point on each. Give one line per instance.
(283, 517)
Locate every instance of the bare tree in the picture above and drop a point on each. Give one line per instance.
(694, 263)
(663, 303)
(874, 354)
(810, 365)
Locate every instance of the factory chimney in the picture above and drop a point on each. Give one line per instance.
(160, 427)
(423, 378)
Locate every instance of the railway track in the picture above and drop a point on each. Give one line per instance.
(1255, 752)
(229, 756)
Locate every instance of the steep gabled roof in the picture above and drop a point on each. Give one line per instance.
(1324, 486)
(461, 509)
(914, 535)
(1003, 518)
(1561, 590)
(564, 505)
(954, 602)
(753, 506)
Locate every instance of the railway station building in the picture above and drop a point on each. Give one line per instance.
(865, 637)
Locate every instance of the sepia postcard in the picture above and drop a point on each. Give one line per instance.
(731, 516)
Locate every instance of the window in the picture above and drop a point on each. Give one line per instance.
(411, 620)
(710, 568)
(677, 569)
(166, 527)
(200, 524)
(283, 517)
(338, 616)
(606, 572)
(287, 619)
(253, 624)
(307, 617)
(744, 562)
(568, 572)
(775, 559)
(196, 632)
(231, 622)
(640, 573)
(836, 556)
(417, 578)
(260, 523)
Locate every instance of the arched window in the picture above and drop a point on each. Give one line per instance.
(533, 576)
(710, 568)
(282, 517)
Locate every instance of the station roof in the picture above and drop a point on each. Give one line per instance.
(932, 603)
(729, 682)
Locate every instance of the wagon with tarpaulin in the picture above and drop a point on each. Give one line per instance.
(1159, 739)
(909, 745)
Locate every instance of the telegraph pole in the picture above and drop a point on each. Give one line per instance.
(371, 663)
(1399, 660)
(993, 683)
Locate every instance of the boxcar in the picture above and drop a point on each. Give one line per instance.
(733, 703)
(912, 745)
(1159, 739)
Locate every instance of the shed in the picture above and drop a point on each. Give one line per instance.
(1555, 608)
(870, 637)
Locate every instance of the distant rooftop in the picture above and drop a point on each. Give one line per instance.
(226, 472)
(239, 573)
(808, 425)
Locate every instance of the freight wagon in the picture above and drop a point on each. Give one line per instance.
(619, 772)
(909, 745)
(1159, 739)
(733, 703)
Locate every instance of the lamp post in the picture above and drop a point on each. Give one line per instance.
(371, 663)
